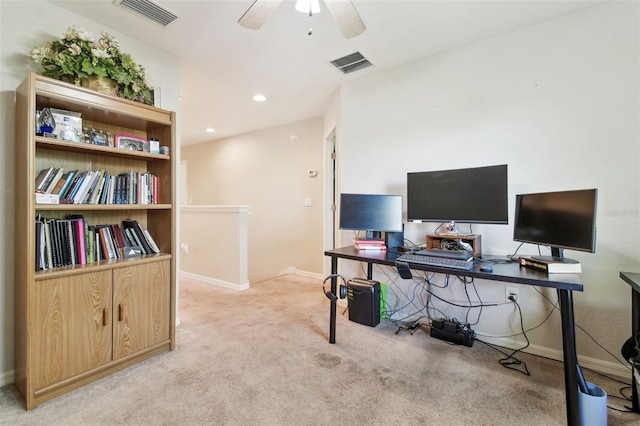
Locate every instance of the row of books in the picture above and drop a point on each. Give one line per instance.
(71, 241)
(55, 186)
(369, 244)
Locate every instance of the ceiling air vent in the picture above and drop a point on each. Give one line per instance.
(350, 63)
(150, 10)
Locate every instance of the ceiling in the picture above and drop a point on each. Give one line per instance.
(223, 64)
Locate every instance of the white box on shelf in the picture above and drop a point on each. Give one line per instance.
(47, 198)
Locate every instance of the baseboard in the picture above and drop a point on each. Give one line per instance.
(589, 363)
(213, 281)
(308, 274)
(7, 377)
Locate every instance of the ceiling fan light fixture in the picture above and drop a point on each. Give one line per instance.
(308, 6)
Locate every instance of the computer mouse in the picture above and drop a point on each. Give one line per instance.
(486, 268)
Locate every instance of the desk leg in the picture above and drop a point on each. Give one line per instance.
(635, 327)
(334, 290)
(570, 357)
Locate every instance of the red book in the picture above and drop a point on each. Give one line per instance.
(369, 244)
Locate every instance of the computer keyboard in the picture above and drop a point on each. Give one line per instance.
(444, 262)
(451, 254)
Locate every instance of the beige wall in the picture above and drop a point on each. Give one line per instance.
(268, 171)
(213, 245)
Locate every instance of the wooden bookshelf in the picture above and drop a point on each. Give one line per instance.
(75, 324)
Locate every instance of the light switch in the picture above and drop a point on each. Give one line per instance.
(307, 202)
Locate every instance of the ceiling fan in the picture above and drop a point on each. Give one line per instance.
(342, 12)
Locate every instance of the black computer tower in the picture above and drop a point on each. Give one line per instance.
(363, 300)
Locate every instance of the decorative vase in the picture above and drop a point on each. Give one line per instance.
(100, 84)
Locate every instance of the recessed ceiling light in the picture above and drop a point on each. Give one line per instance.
(211, 129)
(259, 98)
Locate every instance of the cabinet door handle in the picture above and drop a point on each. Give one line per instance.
(105, 318)
(120, 312)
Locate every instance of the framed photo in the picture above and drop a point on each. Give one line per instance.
(131, 143)
(98, 137)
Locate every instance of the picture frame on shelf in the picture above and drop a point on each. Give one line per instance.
(131, 143)
(97, 137)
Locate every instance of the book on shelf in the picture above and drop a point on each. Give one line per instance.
(54, 180)
(46, 178)
(137, 231)
(72, 241)
(99, 187)
(551, 267)
(41, 178)
(151, 241)
(40, 246)
(60, 185)
(369, 244)
(377, 241)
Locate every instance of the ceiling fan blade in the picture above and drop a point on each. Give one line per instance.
(346, 17)
(258, 13)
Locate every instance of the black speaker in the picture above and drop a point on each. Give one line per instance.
(394, 240)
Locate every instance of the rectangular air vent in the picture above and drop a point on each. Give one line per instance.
(350, 63)
(149, 9)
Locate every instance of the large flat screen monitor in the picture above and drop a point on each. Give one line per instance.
(372, 213)
(561, 220)
(471, 195)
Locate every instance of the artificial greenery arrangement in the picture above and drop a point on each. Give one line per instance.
(76, 57)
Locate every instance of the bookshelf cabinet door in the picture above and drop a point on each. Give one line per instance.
(72, 326)
(141, 307)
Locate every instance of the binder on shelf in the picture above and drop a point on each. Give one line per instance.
(137, 231)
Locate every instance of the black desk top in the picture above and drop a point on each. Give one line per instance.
(631, 278)
(505, 272)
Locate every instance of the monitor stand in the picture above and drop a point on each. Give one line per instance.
(557, 256)
(374, 235)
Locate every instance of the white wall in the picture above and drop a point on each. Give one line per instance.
(558, 103)
(24, 25)
(267, 171)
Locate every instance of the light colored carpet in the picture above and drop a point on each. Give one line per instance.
(262, 357)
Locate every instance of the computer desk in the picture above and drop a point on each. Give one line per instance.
(565, 284)
(633, 279)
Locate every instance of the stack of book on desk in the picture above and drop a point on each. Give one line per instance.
(369, 244)
(550, 267)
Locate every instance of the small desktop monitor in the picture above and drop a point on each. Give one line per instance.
(372, 213)
(561, 220)
(470, 195)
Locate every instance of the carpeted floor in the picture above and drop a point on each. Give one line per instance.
(261, 357)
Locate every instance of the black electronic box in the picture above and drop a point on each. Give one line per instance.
(363, 299)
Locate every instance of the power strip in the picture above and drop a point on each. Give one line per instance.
(454, 332)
